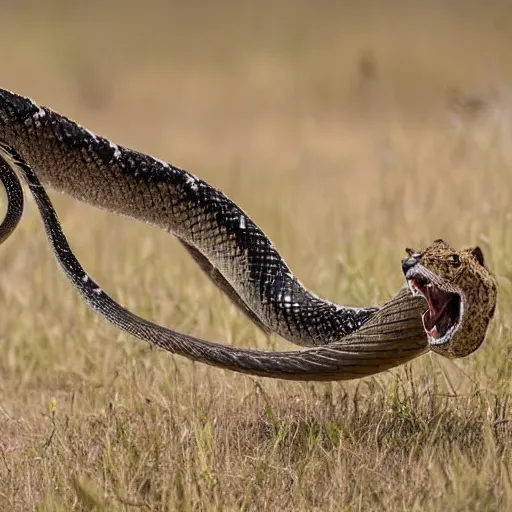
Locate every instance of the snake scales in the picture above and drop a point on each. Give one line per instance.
(49, 148)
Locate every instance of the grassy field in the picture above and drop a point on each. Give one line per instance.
(347, 131)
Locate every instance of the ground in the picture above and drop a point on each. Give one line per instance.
(347, 132)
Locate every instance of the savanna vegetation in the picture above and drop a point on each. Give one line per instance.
(348, 131)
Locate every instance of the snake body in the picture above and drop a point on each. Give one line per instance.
(15, 201)
(393, 335)
(49, 149)
(227, 244)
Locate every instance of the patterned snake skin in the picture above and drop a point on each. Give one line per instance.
(220, 237)
(393, 336)
(226, 243)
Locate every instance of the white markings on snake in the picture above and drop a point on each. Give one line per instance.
(191, 181)
(40, 112)
(161, 162)
(93, 135)
(117, 152)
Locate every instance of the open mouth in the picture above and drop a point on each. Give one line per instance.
(444, 308)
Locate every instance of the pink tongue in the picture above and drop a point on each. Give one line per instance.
(434, 333)
(436, 310)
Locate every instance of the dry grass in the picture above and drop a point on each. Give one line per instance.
(347, 134)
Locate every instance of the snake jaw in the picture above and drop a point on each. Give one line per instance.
(445, 307)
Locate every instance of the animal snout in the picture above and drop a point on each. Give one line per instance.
(409, 263)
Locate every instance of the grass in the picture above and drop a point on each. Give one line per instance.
(347, 132)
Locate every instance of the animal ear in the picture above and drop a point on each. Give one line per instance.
(477, 253)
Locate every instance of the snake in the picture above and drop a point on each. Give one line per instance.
(229, 247)
(393, 336)
(341, 342)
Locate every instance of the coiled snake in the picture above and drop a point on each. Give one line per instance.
(47, 147)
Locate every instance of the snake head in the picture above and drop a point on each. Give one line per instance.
(460, 292)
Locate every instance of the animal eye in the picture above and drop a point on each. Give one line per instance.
(455, 260)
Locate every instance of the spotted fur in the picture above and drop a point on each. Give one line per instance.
(463, 272)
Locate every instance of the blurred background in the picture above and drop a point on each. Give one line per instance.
(348, 130)
(273, 88)
(343, 105)
(335, 99)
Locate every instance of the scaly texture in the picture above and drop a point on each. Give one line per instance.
(229, 247)
(393, 336)
(15, 201)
